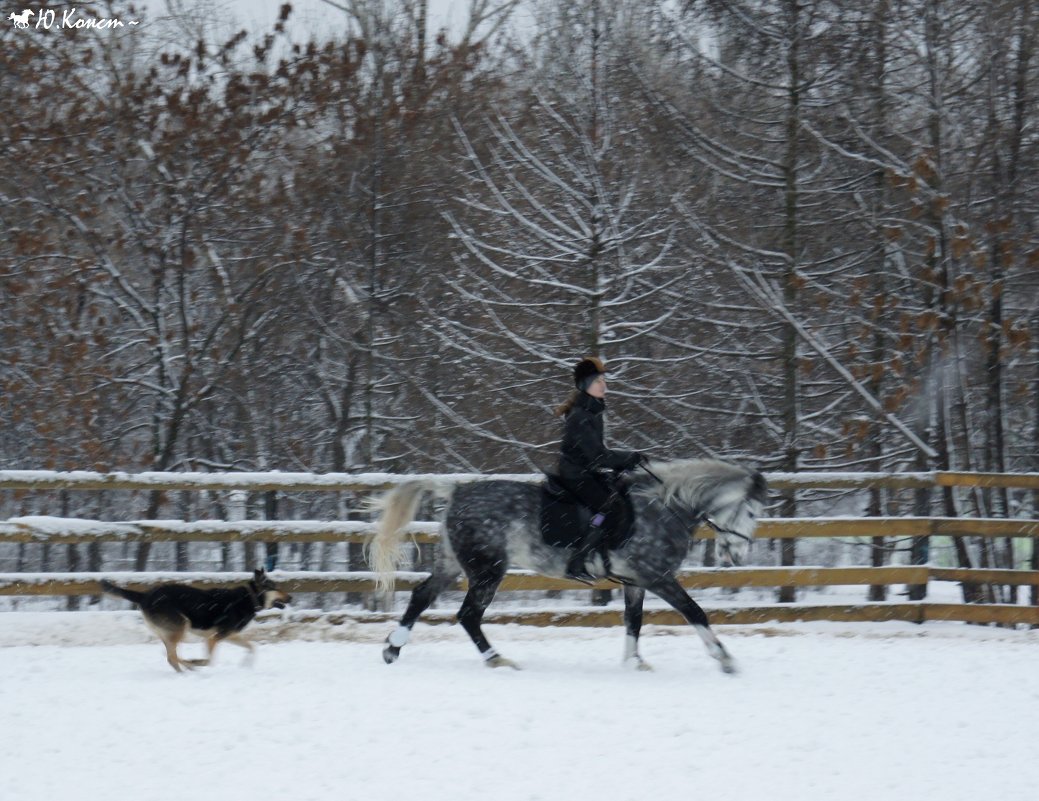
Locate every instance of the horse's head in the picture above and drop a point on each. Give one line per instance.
(733, 514)
(727, 497)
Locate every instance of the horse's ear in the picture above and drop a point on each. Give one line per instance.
(759, 489)
(259, 572)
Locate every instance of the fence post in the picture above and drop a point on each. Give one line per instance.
(920, 550)
(270, 512)
(788, 546)
(1034, 564)
(878, 553)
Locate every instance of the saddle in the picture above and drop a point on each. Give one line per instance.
(565, 519)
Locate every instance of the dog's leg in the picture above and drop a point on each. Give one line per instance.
(211, 647)
(194, 663)
(171, 640)
(242, 642)
(211, 642)
(172, 632)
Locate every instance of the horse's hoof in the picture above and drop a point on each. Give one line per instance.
(498, 661)
(390, 654)
(637, 663)
(728, 665)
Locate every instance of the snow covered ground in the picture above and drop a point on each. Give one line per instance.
(89, 710)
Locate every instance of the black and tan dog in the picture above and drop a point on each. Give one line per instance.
(174, 610)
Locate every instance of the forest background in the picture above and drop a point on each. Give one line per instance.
(802, 233)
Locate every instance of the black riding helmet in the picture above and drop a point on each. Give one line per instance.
(586, 371)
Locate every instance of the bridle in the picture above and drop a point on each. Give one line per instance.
(721, 529)
(703, 516)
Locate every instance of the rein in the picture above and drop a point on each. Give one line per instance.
(657, 478)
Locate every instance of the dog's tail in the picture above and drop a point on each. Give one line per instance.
(130, 595)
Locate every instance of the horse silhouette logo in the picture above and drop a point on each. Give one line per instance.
(20, 20)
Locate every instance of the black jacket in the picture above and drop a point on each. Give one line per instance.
(583, 451)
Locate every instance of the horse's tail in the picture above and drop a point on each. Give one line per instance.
(397, 509)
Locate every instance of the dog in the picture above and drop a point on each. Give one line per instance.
(174, 610)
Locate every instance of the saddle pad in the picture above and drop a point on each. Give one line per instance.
(563, 521)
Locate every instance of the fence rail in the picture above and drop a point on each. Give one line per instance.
(78, 530)
(82, 583)
(915, 612)
(369, 482)
(72, 531)
(910, 612)
(297, 582)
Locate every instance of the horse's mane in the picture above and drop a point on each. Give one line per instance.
(694, 482)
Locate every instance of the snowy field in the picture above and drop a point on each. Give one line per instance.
(90, 711)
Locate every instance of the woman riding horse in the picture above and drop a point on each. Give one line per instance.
(494, 524)
(588, 468)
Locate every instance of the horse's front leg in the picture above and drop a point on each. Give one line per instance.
(671, 591)
(633, 598)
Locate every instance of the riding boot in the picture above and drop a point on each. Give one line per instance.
(575, 568)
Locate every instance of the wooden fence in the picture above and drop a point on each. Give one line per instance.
(75, 531)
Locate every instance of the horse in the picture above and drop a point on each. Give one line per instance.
(20, 20)
(491, 525)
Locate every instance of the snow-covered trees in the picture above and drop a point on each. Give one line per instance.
(564, 246)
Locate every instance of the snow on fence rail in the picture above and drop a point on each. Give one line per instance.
(253, 482)
(368, 482)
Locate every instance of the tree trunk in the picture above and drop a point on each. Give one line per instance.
(144, 549)
(1035, 495)
(791, 285)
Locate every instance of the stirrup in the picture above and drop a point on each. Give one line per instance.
(579, 572)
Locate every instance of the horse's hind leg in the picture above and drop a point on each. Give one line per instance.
(671, 591)
(482, 587)
(422, 598)
(633, 598)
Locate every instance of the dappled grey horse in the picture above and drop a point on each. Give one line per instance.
(490, 526)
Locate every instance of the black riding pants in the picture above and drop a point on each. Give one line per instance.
(593, 490)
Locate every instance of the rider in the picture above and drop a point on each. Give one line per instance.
(586, 465)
